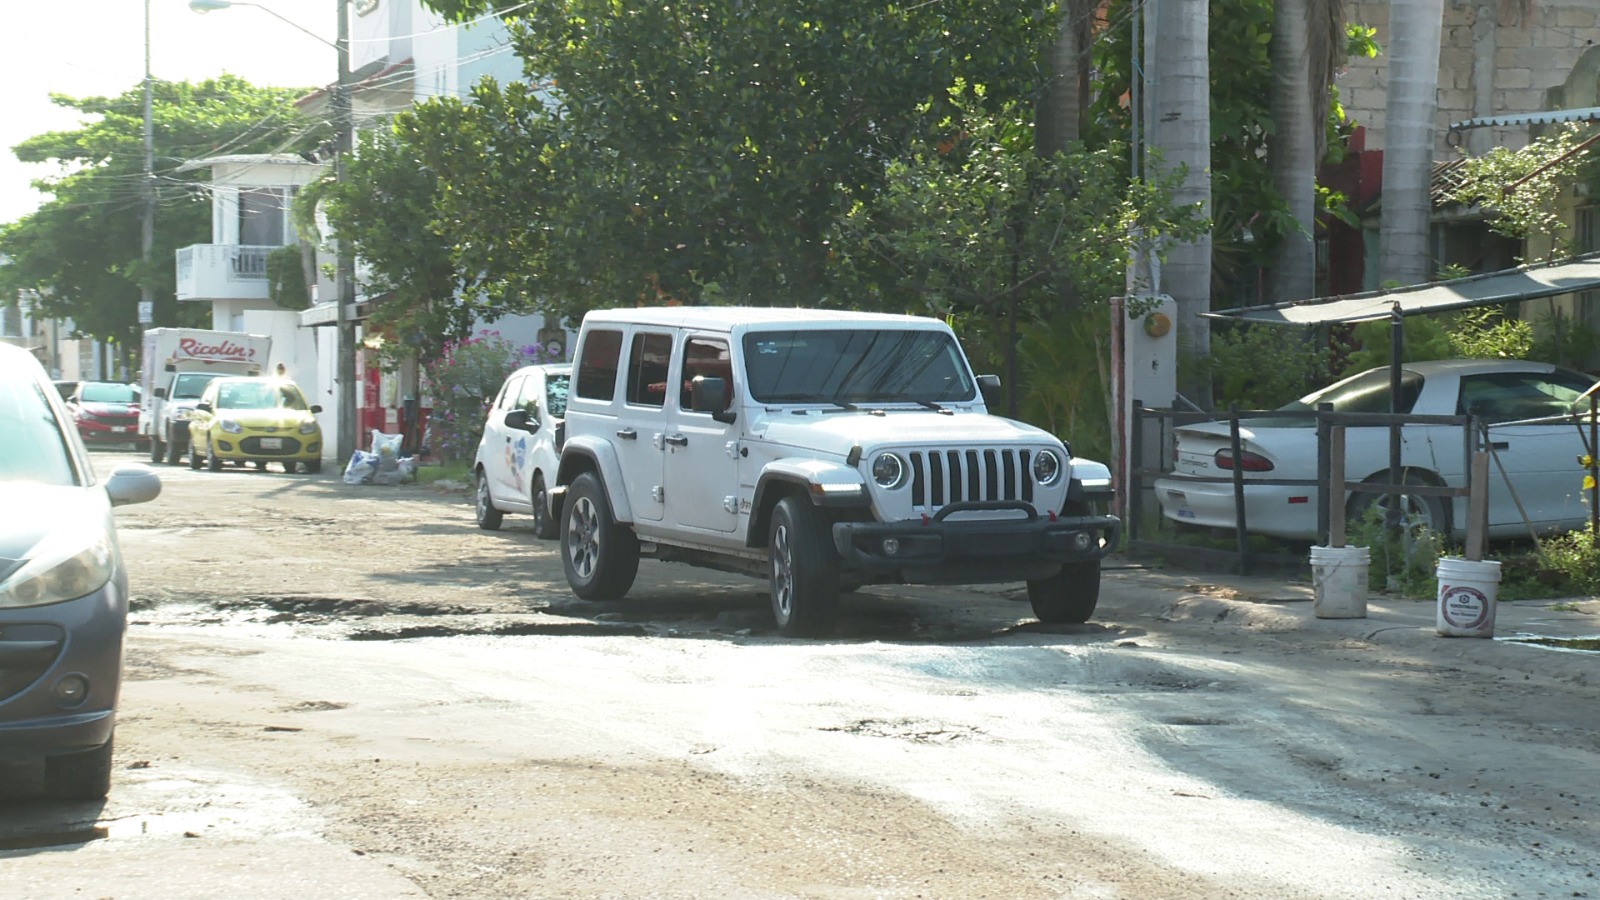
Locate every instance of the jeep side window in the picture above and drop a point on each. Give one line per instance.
(597, 364)
(647, 369)
(708, 357)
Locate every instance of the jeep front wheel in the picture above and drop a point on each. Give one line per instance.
(1068, 596)
(600, 556)
(805, 570)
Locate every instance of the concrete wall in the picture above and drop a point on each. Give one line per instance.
(1494, 59)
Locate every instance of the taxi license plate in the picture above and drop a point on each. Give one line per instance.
(272, 443)
(121, 429)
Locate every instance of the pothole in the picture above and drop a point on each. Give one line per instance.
(1579, 644)
(910, 730)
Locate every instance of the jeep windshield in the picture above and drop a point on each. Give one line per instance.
(848, 367)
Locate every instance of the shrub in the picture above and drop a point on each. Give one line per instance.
(1404, 560)
(462, 382)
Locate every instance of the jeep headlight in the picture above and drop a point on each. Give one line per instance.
(63, 567)
(231, 426)
(308, 427)
(889, 470)
(1046, 467)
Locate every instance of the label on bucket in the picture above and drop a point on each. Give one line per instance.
(1462, 606)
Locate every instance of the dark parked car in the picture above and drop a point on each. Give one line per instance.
(106, 412)
(63, 586)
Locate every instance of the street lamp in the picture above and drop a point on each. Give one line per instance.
(344, 267)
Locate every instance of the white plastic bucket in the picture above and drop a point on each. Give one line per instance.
(1468, 592)
(1339, 582)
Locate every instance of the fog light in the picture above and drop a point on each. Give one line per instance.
(71, 691)
(1082, 540)
(891, 546)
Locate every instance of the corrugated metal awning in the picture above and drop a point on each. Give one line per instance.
(1545, 117)
(1578, 273)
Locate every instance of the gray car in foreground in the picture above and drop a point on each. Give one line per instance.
(63, 587)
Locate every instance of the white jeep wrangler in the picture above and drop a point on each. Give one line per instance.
(820, 449)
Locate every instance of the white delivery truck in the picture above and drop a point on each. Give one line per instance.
(174, 366)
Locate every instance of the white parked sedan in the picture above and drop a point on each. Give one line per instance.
(521, 447)
(1539, 458)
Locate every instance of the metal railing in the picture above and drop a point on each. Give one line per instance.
(1141, 474)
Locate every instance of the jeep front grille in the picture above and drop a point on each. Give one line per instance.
(939, 477)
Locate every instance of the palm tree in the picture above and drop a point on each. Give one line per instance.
(1180, 127)
(1415, 28)
(1306, 48)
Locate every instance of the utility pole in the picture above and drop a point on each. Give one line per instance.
(147, 191)
(344, 265)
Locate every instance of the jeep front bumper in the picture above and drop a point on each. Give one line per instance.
(951, 549)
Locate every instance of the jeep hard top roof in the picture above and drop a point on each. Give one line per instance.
(728, 318)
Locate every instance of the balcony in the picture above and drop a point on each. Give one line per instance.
(223, 272)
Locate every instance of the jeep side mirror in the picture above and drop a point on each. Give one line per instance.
(709, 394)
(989, 387)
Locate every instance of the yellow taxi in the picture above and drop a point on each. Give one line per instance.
(255, 419)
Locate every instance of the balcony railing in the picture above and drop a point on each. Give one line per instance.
(223, 272)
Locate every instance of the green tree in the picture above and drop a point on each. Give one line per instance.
(711, 142)
(387, 206)
(81, 250)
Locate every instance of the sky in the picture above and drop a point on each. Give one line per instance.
(96, 48)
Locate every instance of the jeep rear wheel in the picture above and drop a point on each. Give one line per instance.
(805, 570)
(600, 556)
(544, 523)
(489, 518)
(1068, 596)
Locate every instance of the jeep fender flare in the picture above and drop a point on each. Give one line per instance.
(589, 454)
(823, 482)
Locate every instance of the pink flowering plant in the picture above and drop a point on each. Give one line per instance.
(463, 381)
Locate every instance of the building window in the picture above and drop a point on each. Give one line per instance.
(261, 216)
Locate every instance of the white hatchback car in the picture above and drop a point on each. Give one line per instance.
(521, 447)
(1528, 407)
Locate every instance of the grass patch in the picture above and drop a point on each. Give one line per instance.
(453, 471)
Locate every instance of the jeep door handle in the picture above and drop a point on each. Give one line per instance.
(627, 434)
(677, 440)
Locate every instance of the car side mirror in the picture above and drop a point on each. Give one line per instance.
(316, 408)
(989, 387)
(519, 419)
(203, 406)
(160, 392)
(133, 483)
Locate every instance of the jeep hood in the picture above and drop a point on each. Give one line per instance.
(898, 428)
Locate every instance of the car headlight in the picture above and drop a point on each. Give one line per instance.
(61, 568)
(1046, 467)
(230, 426)
(181, 415)
(308, 427)
(889, 470)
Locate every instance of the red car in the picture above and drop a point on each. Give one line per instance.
(106, 412)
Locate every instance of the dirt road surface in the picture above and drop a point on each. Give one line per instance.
(354, 692)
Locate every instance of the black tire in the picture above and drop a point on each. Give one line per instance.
(158, 450)
(194, 457)
(79, 776)
(544, 520)
(289, 466)
(1415, 510)
(489, 518)
(314, 466)
(1069, 595)
(805, 570)
(175, 444)
(600, 556)
(213, 461)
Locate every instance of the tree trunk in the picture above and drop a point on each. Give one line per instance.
(1403, 237)
(1292, 156)
(1180, 128)
(1060, 109)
